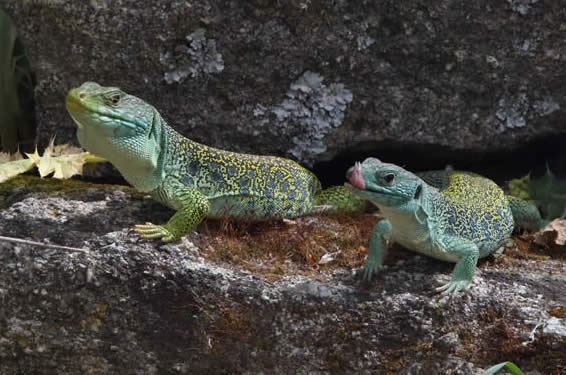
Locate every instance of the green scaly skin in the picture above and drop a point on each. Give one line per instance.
(448, 215)
(195, 180)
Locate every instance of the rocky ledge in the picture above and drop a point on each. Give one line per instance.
(276, 297)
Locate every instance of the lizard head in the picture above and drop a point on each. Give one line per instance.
(108, 115)
(119, 127)
(384, 184)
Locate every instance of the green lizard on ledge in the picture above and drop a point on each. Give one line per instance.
(448, 215)
(197, 181)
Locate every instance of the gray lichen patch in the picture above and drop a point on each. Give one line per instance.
(364, 42)
(522, 6)
(515, 111)
(512, 112)
(528, 46)
(310, 110)
(546, 106)
(196, 57)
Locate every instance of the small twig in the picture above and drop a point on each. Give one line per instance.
(40, 244)
(532, 337)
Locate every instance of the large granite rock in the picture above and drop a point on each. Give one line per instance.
(313, 79)
(131, 306)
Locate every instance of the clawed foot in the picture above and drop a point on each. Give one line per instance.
(453, 287)
(151, 231)
(369, 270)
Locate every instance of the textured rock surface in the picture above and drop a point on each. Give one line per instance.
(312, 79)
(137, 306)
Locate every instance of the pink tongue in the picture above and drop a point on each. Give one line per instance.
(356, 179)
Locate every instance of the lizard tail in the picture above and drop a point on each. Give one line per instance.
(525, 214)
(338, 199)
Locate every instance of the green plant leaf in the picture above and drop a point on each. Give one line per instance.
(16, 89)
(510, 366)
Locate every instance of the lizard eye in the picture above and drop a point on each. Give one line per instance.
(115, 98)
(388, 178)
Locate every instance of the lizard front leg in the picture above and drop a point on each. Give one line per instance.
(194, 208)
(468, 254)
(377, 248)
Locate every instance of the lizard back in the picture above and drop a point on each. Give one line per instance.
(241, 185)
(470, 206)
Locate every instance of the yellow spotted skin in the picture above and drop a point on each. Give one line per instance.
(472, 207)
(455, 186)
(196, 180)
(239, 185)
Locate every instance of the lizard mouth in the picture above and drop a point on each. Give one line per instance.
(354, 176)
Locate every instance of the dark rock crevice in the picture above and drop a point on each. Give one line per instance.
(500, 166)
